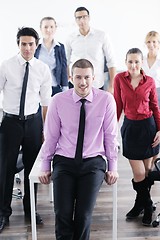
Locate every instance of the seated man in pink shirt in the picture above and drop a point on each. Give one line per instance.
(79, 167)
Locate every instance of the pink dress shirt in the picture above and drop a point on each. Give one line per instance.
(61, 127)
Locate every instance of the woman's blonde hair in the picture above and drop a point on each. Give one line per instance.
(152, 34)
(47, 18)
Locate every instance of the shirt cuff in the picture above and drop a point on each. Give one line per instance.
(112, 165)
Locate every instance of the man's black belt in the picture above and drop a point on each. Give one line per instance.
(19, 117)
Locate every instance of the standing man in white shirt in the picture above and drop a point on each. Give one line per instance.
(21, 128)
(91, 44)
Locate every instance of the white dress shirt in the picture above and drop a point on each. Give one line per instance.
(153, 71)
(38, 86)
(93, 47)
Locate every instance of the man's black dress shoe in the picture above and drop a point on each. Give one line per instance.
(39, 220)
(4, 221)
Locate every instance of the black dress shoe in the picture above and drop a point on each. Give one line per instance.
(39, 220)
(4, 221)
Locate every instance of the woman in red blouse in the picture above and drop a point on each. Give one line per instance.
(135, 94)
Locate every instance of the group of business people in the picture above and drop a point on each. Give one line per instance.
(36, 73)
(135, 92)
(77, 178)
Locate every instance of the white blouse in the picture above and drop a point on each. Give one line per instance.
(153, 71)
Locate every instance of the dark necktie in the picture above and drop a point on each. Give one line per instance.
(80, 138)
(23, 94)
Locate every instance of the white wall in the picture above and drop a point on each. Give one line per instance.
(125, 21)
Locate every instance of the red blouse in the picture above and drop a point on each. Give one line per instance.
(139, 103)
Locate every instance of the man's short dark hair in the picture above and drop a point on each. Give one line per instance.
(81, 9)
(82, 63)
(27, 31)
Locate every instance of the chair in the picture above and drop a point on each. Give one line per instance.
(17, 193)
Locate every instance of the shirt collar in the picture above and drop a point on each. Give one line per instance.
(55, 42)
(127, 75)
(77, 98)
(91, 31)
(157, 57)
(22, 61)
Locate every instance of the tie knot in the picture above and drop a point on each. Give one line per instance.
(83, 100)
(27, 63)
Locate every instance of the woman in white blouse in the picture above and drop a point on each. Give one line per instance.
(151, 62)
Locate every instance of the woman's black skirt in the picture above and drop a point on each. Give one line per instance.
(137, 138)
